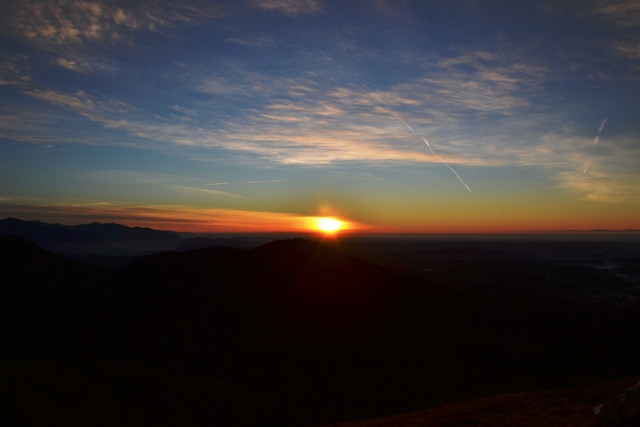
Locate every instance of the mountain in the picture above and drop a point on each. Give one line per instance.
(206, 242)
(299, 332)
(569, 408)
(44, 298)
(91, 238)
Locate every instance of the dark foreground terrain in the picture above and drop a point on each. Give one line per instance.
(296, 333)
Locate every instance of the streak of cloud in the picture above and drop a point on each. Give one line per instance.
(289, 7)
(59, 22)
(188, 189)
(625, 13)
(13, 70)
(408, 127)
(447, 164)
(260, 40)
(169, 217)
(595, 141)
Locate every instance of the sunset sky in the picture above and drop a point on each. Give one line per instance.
(261, 115)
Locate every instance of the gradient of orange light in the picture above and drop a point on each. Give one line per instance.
(486, 215)
(511, 213)
(181, 218)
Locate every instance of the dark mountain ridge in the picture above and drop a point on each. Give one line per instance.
(90, 238)
(303, 333)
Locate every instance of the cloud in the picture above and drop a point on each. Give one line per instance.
(289, 7)
(13, 70)
(184, 188)
(476, 109)
(603, 185)
(259, 40)
(612, 175)
(625, 13)
(53, 23)
(184, 110)
(628, 49)
(298, 144)
(78, 66)
(168, 182)
(168, 217)
(106, 111)
(321, 119)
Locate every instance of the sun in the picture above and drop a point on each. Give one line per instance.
(329, 225)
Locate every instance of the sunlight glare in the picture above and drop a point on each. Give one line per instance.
(329, 225)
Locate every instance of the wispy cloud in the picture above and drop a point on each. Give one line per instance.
(74, 65)
(612, 175)
(169, 182)
(602, 185)
(318, 120)
(59, 22)
(188, 189)
(290, 7)
(625, 13)
(109, 112)
(168, 217)
(13, 70)
(300, 144)
(184, 110)
(259, 40)
(79, 32)
(628, 48)
(476, 108)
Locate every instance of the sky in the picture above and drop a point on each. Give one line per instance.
(456, 116)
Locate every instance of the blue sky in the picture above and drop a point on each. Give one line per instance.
(193, 114)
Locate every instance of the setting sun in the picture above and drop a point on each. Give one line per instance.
(329, 225)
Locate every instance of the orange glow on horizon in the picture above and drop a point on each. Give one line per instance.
(488, 220)
(329, 225)
(187, 219)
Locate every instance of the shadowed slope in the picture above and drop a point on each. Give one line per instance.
(270, 294)
(90, 238)
(568, 408)
(309, 335)
(45, 298)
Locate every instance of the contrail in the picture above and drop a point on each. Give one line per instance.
(442, 160)
(394, 113)
(405, 123)
(364, 85)
(331, 60)
(595, 141)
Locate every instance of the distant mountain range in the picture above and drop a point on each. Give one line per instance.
(289, 333)
(106, 239)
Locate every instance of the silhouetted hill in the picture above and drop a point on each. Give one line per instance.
(567, 408)
(280, 290)
(90, 238)
(195, 243)
(44, 297)
(306, 334)
(206, 242)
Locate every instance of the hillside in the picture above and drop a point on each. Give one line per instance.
(300, 332)
(91, 238)
(568, 408)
